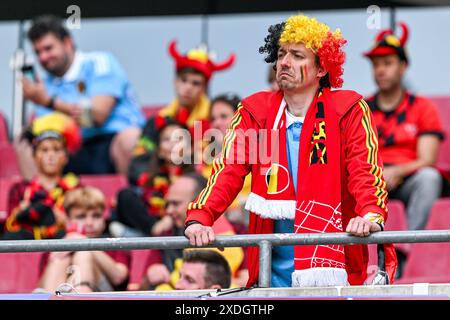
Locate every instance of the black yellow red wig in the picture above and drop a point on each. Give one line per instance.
(315, 35)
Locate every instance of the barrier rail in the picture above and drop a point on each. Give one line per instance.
(265, 242)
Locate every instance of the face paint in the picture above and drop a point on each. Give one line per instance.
(301, 74)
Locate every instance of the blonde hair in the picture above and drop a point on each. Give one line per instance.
(84, 198)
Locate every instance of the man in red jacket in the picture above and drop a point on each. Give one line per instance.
(315, 164)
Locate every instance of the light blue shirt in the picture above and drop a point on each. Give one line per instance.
(101, 75)
(283, 256)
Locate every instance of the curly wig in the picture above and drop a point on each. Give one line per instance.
(327, 45)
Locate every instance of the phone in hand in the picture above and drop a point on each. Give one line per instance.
(29, 72)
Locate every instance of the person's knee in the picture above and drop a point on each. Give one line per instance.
(125, 140)
(429, 176)
(82, 257)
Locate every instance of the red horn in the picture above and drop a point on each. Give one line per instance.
(225, 64)
(173, 50)
(382, 34)
(405, 33)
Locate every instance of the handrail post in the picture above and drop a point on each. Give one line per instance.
(265, 263)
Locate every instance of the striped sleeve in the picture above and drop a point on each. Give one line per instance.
(228, 173)
(363, 163)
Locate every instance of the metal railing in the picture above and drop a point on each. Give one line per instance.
(265, 242)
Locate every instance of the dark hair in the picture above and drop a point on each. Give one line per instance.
(229, 98)
(200, 182)
(186, 70)
(155, 162)
(35, 140)
(217, 268)
(45, 24)
(272, 45)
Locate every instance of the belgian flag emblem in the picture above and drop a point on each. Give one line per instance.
(277, 179)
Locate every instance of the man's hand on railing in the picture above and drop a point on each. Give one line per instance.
(199, 235)
(361, 227)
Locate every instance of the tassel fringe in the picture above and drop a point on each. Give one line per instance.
(319, 277)
(270, 209)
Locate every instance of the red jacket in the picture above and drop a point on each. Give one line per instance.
(359, 195)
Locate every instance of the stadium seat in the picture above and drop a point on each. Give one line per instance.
(108, 184)
(396, 216)
(150, 111)
(9, 166)
(443, 104)
(397, 221)
(431, 260)
(140, 261)
(5, 185)
(3, 130)
(440, 215)
(19, 272)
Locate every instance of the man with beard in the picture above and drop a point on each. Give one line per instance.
(90, 87)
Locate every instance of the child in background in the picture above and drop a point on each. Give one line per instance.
(86, 271)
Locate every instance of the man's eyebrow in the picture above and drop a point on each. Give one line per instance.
(297, 51)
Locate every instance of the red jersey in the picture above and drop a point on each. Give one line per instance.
(400, 129)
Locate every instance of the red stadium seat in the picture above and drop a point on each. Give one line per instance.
(108, 184)
(140, 261)
(396, 216)
(440, 215)
(9, 166)
(150, 111)
(3, 130)
(19, 272)
(443, 104)
(397, 221)
(5, 186)
(431, 260)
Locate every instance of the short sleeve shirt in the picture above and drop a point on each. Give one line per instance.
(400, 129)
(97, 74)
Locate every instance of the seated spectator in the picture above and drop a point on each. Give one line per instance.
(409, 133)
(164, 276)
(223, 107)
(191, 104)
(86, 271)
(140, 209)
(36, 206)
(93, 89)
(203, 269)
(409, 130)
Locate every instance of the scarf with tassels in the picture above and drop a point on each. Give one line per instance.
(317, 206)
